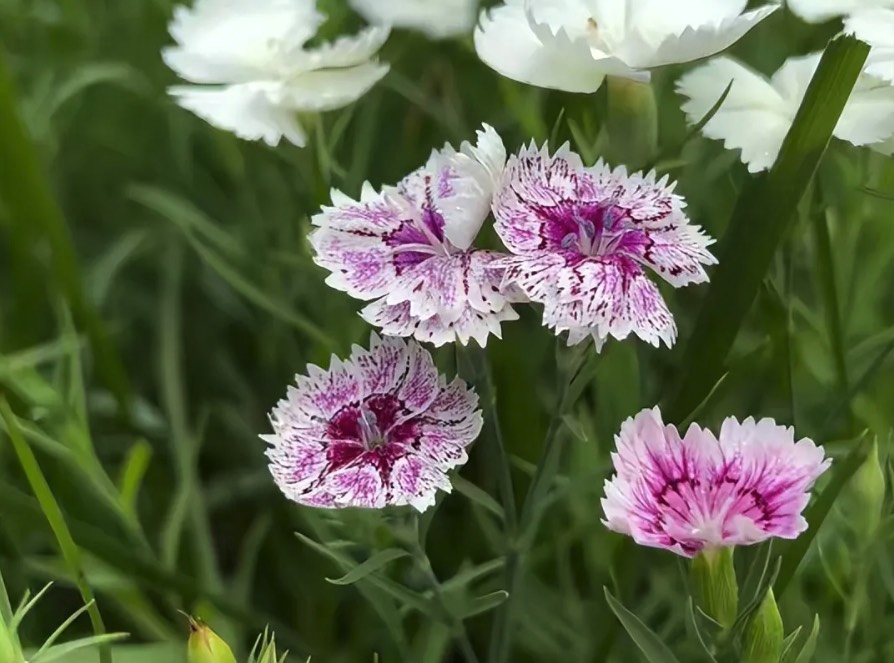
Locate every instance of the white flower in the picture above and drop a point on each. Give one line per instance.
(436, 18)
(816, 11)
(876, 28)
(758, 112)
(253, 71)
(573, 44)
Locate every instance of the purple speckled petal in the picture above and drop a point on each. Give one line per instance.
(703, 492)
(608, 296)
(538, 198)
(454, 189)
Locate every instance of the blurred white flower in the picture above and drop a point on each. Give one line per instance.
(436, 18)
(876, 28)
(816, 11)
(758, 112)
(253, 71)
(573, 44)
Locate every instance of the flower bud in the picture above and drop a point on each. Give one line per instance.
(868, 491)
(205, 646)
(714, 583)
(9, 649)
(632, 121)
(764, 634)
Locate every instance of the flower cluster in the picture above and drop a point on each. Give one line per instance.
(383, 427)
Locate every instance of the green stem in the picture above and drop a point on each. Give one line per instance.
(69, 549)
(474, 365)
(532, 509)
(457, 625)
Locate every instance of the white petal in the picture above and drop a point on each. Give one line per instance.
(868, 117)
(876, 28)
(346, 51)
(645, 49)
(436, 18)
(506, 41)
(817, 11)
(230, 41)
(660, 17)
(754, 118)
(328, 89)
(245, 109)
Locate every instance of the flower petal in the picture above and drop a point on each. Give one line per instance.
(458, 187)
(436, 18)
(507, 42)
(683, 40)
(754, 118)
(245, 109)
(875, 26)
(329, 89)
(817, 11)
(235, 41)
(347, 51)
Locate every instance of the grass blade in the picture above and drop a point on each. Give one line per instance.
(643, 637)
(53, 513)
(29, 201)
(757, 228)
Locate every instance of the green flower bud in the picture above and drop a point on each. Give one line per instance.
(268, 652)
(9, 650)
(868, 490)
(714, 583)
(632, 121)
(205, 646)
(764, 634)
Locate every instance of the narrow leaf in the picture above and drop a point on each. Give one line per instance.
(482, 604)
(761, 219)
(809, 648)
(374, 563)
(643, 637)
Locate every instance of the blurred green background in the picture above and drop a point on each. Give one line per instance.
(190, 245)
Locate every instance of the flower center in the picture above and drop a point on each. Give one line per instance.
(370, 434)
(598, 232)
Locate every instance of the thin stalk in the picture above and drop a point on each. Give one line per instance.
(29, 201)
(473, 363)
(547, 467)
(457, 625)
(69, 549)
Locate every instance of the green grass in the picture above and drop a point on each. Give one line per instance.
(157, 295)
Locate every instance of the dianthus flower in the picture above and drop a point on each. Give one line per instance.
(408, 249)
(758, 112)
(702, 492)
(573, 45)
(254, 72)
(583, 238)
(382, 428)
(436, 18)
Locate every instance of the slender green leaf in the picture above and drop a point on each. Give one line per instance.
(643, 637)
(53, 514)
(809, 648)
(63, 651)
(477, 495)
(482, 604)
(762, 217)
(371, 565)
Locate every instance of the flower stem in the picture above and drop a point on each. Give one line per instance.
(456, 624)
(533, 506)
(474, 365)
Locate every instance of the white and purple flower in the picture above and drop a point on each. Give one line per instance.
(408, 249)
(582, 238)
(382, 428)
(703, 492)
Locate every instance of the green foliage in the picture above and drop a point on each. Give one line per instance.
(149, 260)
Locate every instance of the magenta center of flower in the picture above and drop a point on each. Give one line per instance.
(595, 230)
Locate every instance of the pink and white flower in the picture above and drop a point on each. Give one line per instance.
(408, 248)
(703, 492)
(382, 428)
(583, 238)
